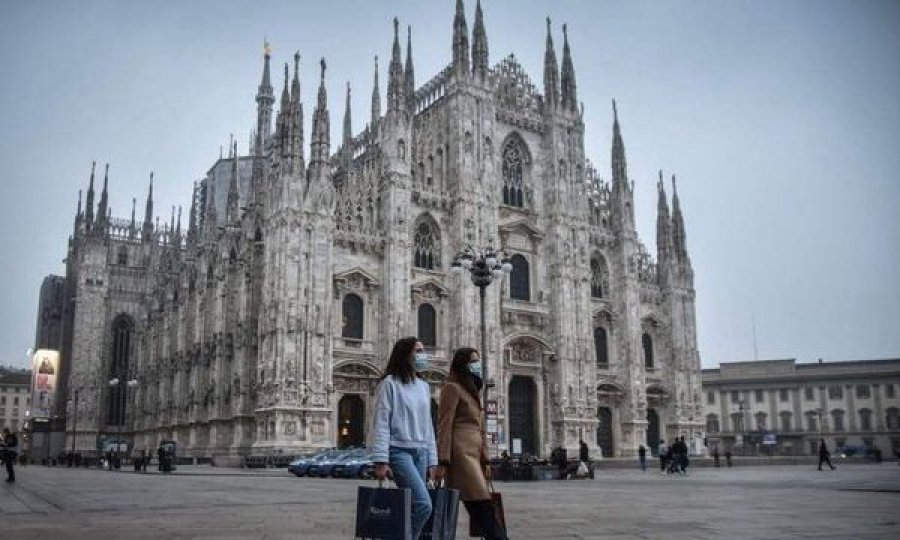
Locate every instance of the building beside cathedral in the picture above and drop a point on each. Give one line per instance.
(263, 320)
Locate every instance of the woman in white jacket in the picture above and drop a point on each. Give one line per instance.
(403, 433)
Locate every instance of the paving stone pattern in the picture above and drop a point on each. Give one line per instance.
(856, 501)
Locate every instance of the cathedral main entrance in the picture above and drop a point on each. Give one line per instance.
(652, 430)
(522, 397)
(605, 431)
(351, 421)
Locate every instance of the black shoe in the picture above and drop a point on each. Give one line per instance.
(10, 480)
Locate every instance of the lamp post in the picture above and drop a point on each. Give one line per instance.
(484, 266)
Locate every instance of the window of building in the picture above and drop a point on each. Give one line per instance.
(837, 420)
(16, 401)
(761, 421)
(712, 423)
(784, 395)
(519, 279)
(735, 396)
(598, 277)
(737, 421)
(647, 345)
(758, 396)
(835, 392)
(785, 417)
(426, 246)
(865, 419)
(513, 175)
(892, 418)
(711, 398)
(122, 256)
(889, 390)
(352, 311)
(601, 346)
(122, 330)
(427, 325)
(863, 391)
(808, 393)
(812, 423)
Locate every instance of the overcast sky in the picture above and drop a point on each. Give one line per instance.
(780, 118)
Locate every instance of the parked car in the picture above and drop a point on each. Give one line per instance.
(355, 467)
(324, 468)
(301, 466)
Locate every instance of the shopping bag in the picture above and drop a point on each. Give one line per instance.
(444, 514)
(582, 469)
(497, 502)
(383, 513)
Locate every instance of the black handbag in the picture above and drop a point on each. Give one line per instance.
(475, 529)
(444, 514)
(383, 513)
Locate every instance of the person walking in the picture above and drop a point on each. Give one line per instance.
(642, 457)
(10, 449)
(462, 448)
(824, 455)
(584, 456)
(728, 458)
(663, 453)
(403, 435)
(715, 456)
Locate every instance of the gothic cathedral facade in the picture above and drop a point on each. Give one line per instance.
(264, 323)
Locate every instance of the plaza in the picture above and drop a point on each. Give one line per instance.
(856, 501)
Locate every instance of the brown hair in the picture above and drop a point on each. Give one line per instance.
(399, 364)
(459, 370)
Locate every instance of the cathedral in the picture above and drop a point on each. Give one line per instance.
(262, 322)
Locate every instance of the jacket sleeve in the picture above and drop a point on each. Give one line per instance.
(446, 413)
(381, 423)
(432, 446)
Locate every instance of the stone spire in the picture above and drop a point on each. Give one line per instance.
(376, 104)
(296, 117)
(569, 94)
(320, 138)
(347, 139)
(170, 238)
(460, 41)
(211, 220)
(132, 228)
(678, 232)
(551, 72)
(177, 239)
(479, 45)
(409, 78)
(663, 233)
(103, 207)
(395, 94)
(89, 205)
(232, 212)
(192, 217)
(619, 170)
(147, 231)
(283, 120)
(264, 101)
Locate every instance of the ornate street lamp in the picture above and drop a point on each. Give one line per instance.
(484, 266)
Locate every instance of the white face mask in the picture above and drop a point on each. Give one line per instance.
(421, 361)
(475, 368)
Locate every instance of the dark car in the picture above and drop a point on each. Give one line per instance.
(360, 466)
(301, 466)
(324, 468)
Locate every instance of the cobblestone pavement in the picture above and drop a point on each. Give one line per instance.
(854, 502)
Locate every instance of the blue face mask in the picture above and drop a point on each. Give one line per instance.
(421, 361)
(475, 368)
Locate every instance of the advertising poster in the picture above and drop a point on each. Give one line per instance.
(45, 371)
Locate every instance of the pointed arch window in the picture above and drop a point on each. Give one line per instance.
(519, 280)
(122, 256)
(601, 346)
(426, 245)
(352, 312)
(647, 345)
(427, 325)
(598, 277)
(122, 330)
(513, 175)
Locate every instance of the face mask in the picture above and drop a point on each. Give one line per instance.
(475, 368)
(421, 361)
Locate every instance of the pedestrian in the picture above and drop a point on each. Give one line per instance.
(461, 444)
(824, 455)
(584, 456)
(145, 460)
(642, 456)
(161, 455)
(682, 455)
(728, 457)
(403, 435)
(663, 452)
(10, 449)
(715, 455)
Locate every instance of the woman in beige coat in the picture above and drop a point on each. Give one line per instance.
(461, 445)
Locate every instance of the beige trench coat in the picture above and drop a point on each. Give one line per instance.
(461, 443)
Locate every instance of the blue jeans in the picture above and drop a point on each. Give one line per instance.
(409, 466)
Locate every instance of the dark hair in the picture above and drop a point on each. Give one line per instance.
(459, 370)
(399, 364)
